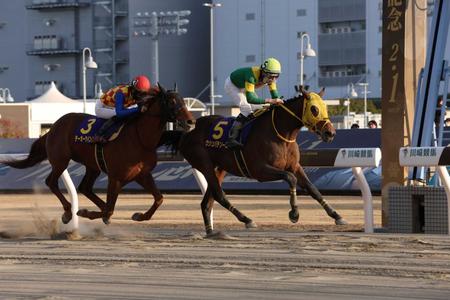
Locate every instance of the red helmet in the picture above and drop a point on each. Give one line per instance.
(141, 83)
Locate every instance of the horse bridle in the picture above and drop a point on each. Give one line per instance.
(171, 114)
(303, 122)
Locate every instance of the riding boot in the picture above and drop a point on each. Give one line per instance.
(232, 142)
(100, 135)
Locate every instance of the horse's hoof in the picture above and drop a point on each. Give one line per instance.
(106, 220)
(66, 217)
(82, 213)
(250, 224)
(138, 217)
(294, 216)
(340, 221)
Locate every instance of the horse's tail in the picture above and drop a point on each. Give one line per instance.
(37, 154)
(171, 139)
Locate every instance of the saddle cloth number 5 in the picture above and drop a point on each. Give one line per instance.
(218, 129)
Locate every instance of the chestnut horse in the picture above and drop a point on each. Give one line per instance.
(270, 153)
(130, 157)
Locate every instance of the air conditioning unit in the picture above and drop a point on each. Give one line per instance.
(343, 73)
(330, 30)
(334, 30)
(336, 73)
(347, 29)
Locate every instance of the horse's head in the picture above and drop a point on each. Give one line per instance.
(315, 115)
(172, 107)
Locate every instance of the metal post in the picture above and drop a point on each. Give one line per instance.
(309, 52)
(347, 125)
(301, 60)
(365, 84)
(84, 81)
(91, 64)
(365, 106)
(155, 53)
(155, 59)
(443, 175)
(73, 197)
(211, 51)
(367, 198)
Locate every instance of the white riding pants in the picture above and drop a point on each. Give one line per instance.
(103, 111)
(239, 98)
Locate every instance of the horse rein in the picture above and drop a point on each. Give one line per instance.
(312, 127)
(275, 127)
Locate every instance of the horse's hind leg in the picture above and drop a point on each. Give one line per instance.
(114, 188)
(206, 207)
(208, 202)
(86, 188)
(218, 194)
(148, 183)
(52, 183)
(304, 182)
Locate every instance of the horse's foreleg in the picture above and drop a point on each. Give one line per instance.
(52, 183)
(270, 173)
(86, 188)
(148, 183)
(114, 188)
(305, 183)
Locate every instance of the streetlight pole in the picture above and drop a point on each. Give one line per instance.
(155, 56)
(90, 64)
(211, 51)
(309, 52)
(155, 25)
(351, 93)
(365, 84)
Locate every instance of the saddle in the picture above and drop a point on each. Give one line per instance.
(219, 130)
(89, 127)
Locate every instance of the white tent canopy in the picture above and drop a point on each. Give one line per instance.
(53, 95)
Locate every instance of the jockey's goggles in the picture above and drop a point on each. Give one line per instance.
(273, 75)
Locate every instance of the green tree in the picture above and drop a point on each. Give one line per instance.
(356, 105)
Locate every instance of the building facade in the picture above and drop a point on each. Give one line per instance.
(345, 35)
(49, 46)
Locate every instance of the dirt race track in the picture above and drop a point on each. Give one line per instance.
(169, 258)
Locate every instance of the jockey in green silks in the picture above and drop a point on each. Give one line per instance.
(240, 86)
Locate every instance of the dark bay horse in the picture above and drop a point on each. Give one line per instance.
(130, 157)
(270, 153)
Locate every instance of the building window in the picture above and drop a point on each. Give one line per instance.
(301, 12)
(250, 16)
(250, 58)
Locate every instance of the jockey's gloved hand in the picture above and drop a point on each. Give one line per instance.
(142, 108)
(275, 101)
